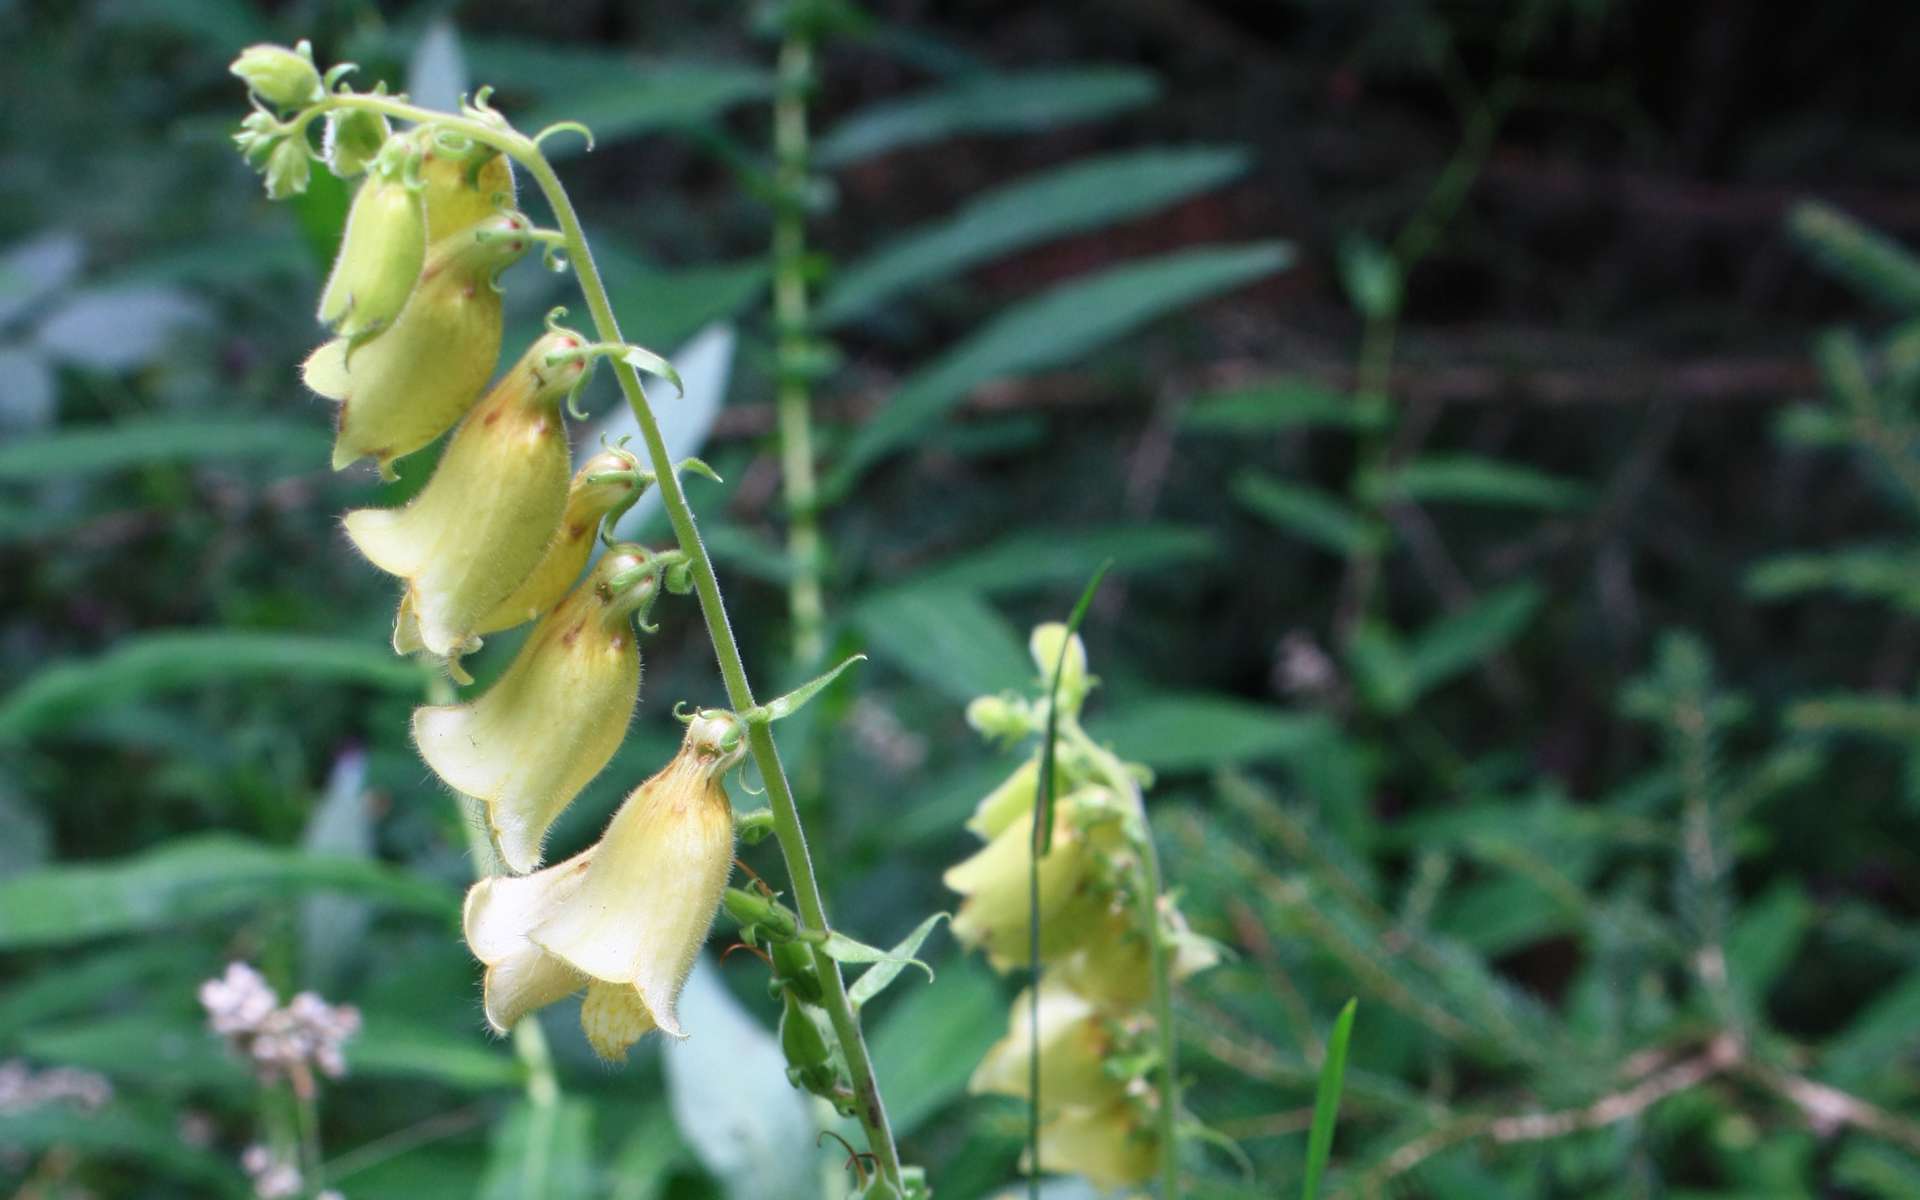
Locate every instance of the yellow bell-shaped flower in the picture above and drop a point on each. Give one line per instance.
(1113, 964)
(382, 251)
(1113, 1146)
(464, 182)
(628, 916)
(482, 523)
(1075, 1042)
(993, 915)
(549, 724)
(609, 481)
(401, 390)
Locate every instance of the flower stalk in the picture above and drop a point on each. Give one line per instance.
(869, 1108)
(795, 358)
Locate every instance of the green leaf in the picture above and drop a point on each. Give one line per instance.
(1470, 479)
(926, 1046)
(1873, 1169)
(1056, 327)
(396, 1048)
(1082, 196)
(116, 1134)
(886, 968)
(1765, 938)
(1878, 1040)
(1875, 265)
(998, 103)
(154, 663)
(1326, 1101)
(542, 1152)
(92, 981)
(795, 700)
(1174, 732)
(1279, 405)
(93, 449)
(1455, 643)
(190, 878)
(1025, 561)
(1371, 276)
(173, 1055)
(1313, 516)
(1888, 573)
(947, 638)
(649, 97)
(1859, 713)
(663, 307)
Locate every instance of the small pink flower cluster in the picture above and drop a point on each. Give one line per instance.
(274, 1178)
(23, 1089)
(291, 1042)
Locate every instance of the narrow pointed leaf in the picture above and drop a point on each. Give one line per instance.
(1326, 1102)
(796, 699)
(876, 978)
(997, 103)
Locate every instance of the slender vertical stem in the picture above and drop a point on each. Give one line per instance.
(790, 308)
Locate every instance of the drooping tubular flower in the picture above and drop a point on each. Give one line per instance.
(382, 248)
(464, 181)
(606, 484)
(482, 523)
(996, 893)
(406, 387)
(545, 728)
(626, 917)
(1075, 1042)
(1113, 1147)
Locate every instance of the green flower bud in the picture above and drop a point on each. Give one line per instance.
(801, 1040)
(354, 140)
(283, 78)
(751, 909)
(288, 169)
(257, 137)
(794, 967)
(1003, 718)
(1045, 645)
(482, 523)
(381, 253)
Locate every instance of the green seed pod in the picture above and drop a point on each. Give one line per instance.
(354, 140)
(483, 521)
(800, 1038)
(408, 386)
(793, 966)
(283, 78)
(381, 253)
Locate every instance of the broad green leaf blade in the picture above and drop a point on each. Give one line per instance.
(154, 663)
(998, 103)
(1458, 642)
(1042, 558)
(1073, 199)
(1326, 1101)
(925, 1047)
(1056, 327)
(728, 1087)
(947, 638)
(115, 1133)
(661, 95)
(83, 450)
(885, 969)
(1310, 515)
(1470, 479)
(1194, 732)
(397, 1048)
(542, 1152)
(191, 878)
(172, 1055)
(1277, 406)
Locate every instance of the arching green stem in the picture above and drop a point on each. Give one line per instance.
(870, 1110)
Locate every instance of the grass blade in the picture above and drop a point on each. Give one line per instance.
(1326, 1102)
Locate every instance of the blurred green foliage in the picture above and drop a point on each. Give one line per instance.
(1502, 666)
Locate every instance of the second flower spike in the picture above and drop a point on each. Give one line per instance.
(484, 520)
(626, 917)
(543, 730)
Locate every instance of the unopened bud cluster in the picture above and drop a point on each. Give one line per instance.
(294, 1042)
(502, 535)
(1097, 1041)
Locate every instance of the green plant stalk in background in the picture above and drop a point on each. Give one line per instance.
(795, 354)
(869, 1108)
